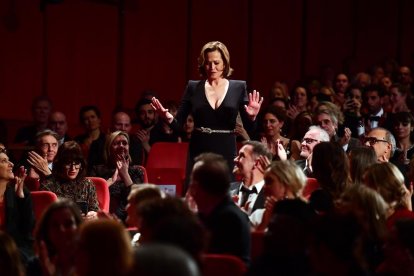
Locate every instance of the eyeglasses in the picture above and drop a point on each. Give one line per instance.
(373, 140)
(76, 166)
(309, 140)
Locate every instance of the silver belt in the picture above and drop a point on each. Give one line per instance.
(209, 130)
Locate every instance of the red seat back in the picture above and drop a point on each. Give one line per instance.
(220, 264)
(168, 155)
(257, 238)
(102, 192)
(167, 176)
(42, 200)
(310, 186)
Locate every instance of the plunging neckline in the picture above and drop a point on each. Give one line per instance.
(221, 100)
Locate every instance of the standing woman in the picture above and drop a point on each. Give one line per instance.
(16, 212)
(214, 102)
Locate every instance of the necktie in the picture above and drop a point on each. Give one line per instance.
(245, 192)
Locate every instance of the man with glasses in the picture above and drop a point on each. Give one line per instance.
(382, 141)
(314, 136)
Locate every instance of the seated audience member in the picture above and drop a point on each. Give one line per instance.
(399, 250)
(298, 130)
(352, 111)
(120, 122)
(58, 123)
(340, 86)
(331, 168)
(67, 179)
(90, 119)
(55, 239)
(118, 172)
(327, 120)
(360, 159)
(388, 181)
(314, 136)
(382, 141)
(248, 166)
(170, 221)
(299, 103)
(162, 259)
(375, 116)
(188, 128)
(40, 161)
(16, 212)
(103, 249)
(362, 80)
(398, 98)
(403, 126)
(286, 241)
(227, 225)
(283, 180)
(147, 119)
(334, 246)
(273, 120)
(371, 211)
(10, 260)
(41, 107)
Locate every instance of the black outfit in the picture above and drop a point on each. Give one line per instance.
(157, 134)
(20, 220)
(229, 230)
(119, 191)
(301, 163)
(222, 118)
(260, 199)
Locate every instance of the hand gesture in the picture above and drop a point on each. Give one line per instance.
(39, 163)
(19, 182)
(408, 193)
(292, 112)
(280, 149)
(143, 135)
(347, 137)
(162, 112)
(91, 215)
(114, 178)
(255, 101)
(262, 163)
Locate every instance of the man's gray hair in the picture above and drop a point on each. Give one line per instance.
(323, 135)
(389, 138)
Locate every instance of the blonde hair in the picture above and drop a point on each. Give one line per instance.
(225, 55)
(108, 142)
(289, 174)
(387, 179)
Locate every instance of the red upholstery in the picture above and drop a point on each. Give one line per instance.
(218, 264)
(167, 163)
(257, 238)
(167, 176)
(168, 155)
(102, 192)
(42, 200)
(311, 185)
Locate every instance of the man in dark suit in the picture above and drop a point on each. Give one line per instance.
(59, 124)
(249, 193)
(228, 226)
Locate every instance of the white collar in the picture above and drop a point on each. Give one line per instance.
(380, 113)
(259, 185)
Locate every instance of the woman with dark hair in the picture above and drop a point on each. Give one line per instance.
(360, 159)
(299, 103)
(330, 167)
(16, 212)
(68, 179)
(90, 119)
(403, 126)
(55, 239)
(118, 172)
(215, 103)
(272, 123)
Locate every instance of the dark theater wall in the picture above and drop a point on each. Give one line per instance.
(85, 52)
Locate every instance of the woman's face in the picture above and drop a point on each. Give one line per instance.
(300, 97)
(189, 124)
(91, 120)
(271, 125)
(402, 129)
(395, 97)
(71, 170)
(6, 167)
(120, 146)
(214, 65)
(273, 187)
(62, 229)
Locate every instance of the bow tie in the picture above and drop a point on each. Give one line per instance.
(247, 191)
(374, 118)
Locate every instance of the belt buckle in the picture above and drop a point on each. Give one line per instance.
(206, 130)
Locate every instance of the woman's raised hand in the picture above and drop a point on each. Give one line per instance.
(255, 102)
(19, 179)
(162, 112)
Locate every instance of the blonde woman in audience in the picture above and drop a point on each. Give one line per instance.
(387, 179)
(283, 180)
